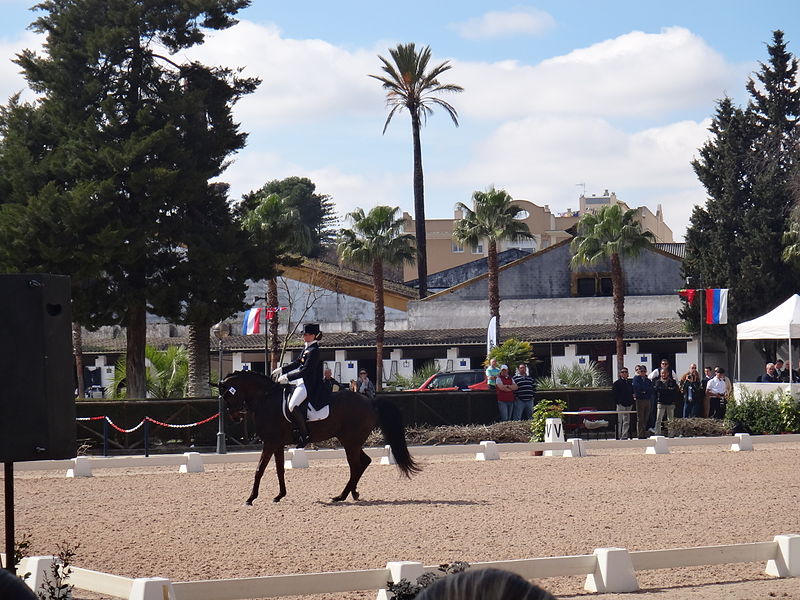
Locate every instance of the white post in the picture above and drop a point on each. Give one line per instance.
(659, 446)
(578, 449)
(613, 573)
(81, 467)
(787, 558)
(38, 567)
(553, 432)
(297, 459)
(488, 451)
(403, 569)
(193, 464)
(743, 443)
(152, 588)
(388, 458)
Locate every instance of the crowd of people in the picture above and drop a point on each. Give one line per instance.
(515, 393)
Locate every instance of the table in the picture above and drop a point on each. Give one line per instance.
(592, 413)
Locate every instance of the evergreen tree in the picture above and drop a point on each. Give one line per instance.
(111, 165)
(735, 240)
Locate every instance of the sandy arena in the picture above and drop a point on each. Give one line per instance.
(158, 522)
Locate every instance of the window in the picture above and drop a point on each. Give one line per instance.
(477, 249)
(585, 285)
(457, 247)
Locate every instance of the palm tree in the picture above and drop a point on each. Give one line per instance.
(377, 239)
(495, 218)
(610, 234)
(408, 85)
(277, 229)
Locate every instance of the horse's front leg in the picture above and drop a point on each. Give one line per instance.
(266, 454)
(280, 468)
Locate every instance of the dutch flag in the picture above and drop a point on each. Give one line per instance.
(717, 306)
(252, 321)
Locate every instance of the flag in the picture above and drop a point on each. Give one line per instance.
(717, 306)
(491, 334)
(687, 295)
(273, 310)
(252, 321)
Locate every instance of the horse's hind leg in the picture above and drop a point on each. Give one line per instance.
(280, 467)
(266, 454)
(358, 461)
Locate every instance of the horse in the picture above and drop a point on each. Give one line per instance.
(352, 417)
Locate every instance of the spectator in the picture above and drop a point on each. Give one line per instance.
(717, 390)
(622, 393)
(483, 584)
(780, 370)
(13, 588)
(770, 374)
(505, 394)
(492, 371)
(331, 384)
(523, 396)
(364, 385)
(654, 376)
(690, 387)
(708, 375)
(644, 393)
(666, 395)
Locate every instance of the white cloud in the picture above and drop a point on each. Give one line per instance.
(634, 75)
(525, 21)
(11, 81)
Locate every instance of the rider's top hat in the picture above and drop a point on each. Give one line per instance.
(312, 328)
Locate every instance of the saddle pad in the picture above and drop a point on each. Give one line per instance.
(317, 415)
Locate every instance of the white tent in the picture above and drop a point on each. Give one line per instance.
(781, 323)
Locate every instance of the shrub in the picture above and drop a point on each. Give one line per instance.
(790, 412)
(699, 427)
(758, 411)
(574, 376)
(513, 353)
(405, 590)
(417, 378)
(545, 409)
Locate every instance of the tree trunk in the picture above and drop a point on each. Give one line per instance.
(380, 321)
(494, 284)
(135, 380)
(618, 287)
(419, 210)
(77, 350)
(272, 302)
(198, 356)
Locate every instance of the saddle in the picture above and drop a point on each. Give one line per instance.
(312, 414)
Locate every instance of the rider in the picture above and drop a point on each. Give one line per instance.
(306, 373)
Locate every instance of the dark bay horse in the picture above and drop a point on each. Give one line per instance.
(352, 417)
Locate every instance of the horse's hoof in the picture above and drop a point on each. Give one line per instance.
(248, 503)
(338, 498)
(277, 498)
(355, 495)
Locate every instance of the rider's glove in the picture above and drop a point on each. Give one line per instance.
(283, 380)
(277, 373)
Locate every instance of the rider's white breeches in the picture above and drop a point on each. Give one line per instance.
(298, 395)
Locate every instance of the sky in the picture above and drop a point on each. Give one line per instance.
(560, 97)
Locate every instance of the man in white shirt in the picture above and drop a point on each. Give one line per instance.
(656, 374)
(717, 391)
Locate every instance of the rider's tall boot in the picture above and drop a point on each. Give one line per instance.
(299, 419)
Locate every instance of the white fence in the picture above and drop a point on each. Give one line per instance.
(610, 570)
(193, 462)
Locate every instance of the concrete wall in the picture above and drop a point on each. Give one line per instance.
(452, 313)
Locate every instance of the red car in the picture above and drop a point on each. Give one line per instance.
(474, 379)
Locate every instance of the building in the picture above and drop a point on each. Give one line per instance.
(546, 227)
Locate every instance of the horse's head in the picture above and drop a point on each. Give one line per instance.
(238, 389)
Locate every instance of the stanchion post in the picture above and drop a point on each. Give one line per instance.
(9, 508)
(146, 437)
(221, 330)
(105, 436)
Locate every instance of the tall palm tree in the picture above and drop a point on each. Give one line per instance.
(494, 218)
(277, 229)
(410, 85)
(377, 239)
(610, 234)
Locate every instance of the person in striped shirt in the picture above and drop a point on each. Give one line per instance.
(523, 395)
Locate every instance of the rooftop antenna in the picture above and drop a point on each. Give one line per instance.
(582, 185)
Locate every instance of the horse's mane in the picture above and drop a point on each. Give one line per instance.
(246, 374)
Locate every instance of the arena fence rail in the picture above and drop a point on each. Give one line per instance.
(611, 570)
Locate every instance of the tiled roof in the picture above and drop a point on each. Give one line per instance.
(677, 249)
(407, 338)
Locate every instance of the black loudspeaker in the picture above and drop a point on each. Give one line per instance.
(37, 389)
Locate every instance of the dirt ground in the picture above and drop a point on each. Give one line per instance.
(158, 522)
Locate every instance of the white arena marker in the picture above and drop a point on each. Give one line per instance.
(152, 588)
(488, 451)
(388, 457)
(553, 432)
(403, 569)
(81, 467)
(194, 463)
(39, 568)
(614, 572)
(578, 449)
(743, 443)
(297, 459)
(787, 559)
(659, 446)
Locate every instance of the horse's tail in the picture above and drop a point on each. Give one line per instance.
(390, 420)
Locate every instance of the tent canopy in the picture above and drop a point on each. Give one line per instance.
(780, 323)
